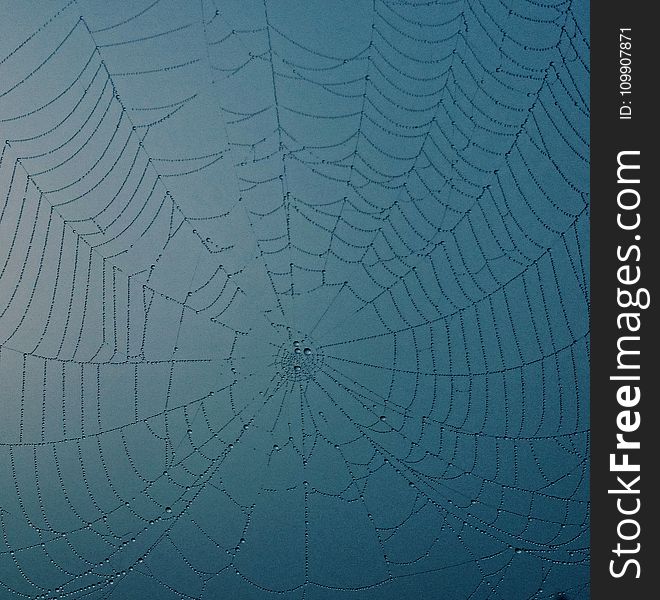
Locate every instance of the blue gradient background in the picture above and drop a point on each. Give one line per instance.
(294, 300)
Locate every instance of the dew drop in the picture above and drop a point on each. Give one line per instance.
(168, 509)
(296, 368)
(307, 351)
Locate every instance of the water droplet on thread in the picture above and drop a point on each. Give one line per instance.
(307, 351)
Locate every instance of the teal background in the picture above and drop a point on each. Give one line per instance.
(294, 300)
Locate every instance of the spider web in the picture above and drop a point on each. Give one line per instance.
(294, 299)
